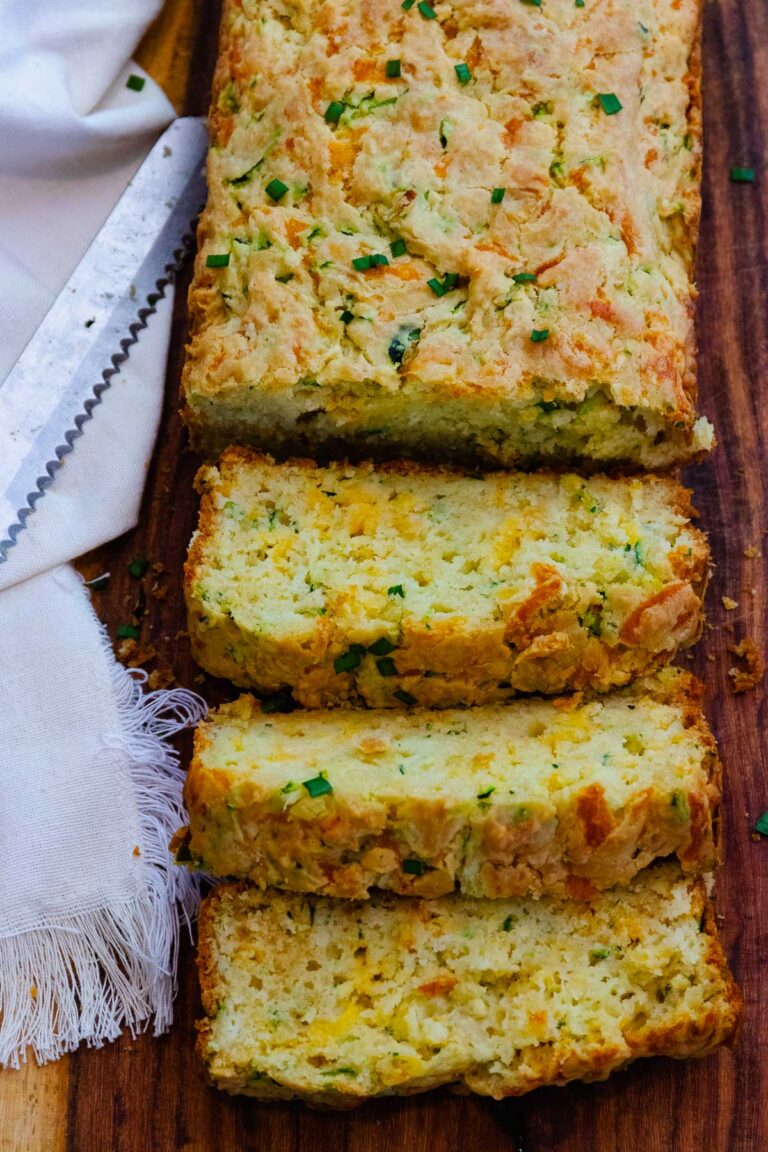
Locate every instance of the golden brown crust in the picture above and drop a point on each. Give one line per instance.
(239, 384)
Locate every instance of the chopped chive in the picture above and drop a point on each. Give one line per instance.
(427, 10)
(599, 953)
(393, 69)
(396, 590)
(609, 102)
(408, 4)
(440, 287)
(127, 632)
(135, 83)
(463, 73)
(398, 248)
(138, 566)
(762, 825)
(497, 195)
(524, 277)
(276, 189)
(415, 867)
(333, 112)
(382, 647)
(505, 927)
(488, 792)
(318, 786)
(533, 3)
(217, 260)
(386, 665)
(373, 260)
(403, 696)
(742, 175)
(346, 316)
(578, 3)
(350, 659)
(539, 334)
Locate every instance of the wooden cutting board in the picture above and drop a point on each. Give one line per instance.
(146, 1093)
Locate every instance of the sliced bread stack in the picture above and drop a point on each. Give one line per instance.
(470, 814)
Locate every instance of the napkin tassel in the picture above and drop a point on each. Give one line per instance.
(88, 977)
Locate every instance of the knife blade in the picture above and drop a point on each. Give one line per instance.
(51, 392)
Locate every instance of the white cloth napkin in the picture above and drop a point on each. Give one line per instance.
(89, 785)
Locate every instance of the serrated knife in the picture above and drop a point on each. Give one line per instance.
(49, 395)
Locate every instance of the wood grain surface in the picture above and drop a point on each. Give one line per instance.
(149, 1093)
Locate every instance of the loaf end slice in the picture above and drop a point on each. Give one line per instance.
(492, 264)
(339, 1002)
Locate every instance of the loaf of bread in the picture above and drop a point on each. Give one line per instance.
(457, 230)
(561, 796)
(340, 1001)
(407, 584)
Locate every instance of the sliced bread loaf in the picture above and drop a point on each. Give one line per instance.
(400, 585)
(338, 1002)
(503, 800)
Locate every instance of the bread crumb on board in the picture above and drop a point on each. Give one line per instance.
(160, 677)
(744, 679)
(729, 604)
(752, 552)
(126, 649)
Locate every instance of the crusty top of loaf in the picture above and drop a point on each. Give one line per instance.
(601, 207)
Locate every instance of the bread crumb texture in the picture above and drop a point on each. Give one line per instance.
(746, 678)
(338, 1002)
(484, 251)
(404, 585)
(536, 796)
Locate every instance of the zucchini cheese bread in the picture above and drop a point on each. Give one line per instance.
(463, 229)
(536, 796)
(405, 584)
(340, 1001)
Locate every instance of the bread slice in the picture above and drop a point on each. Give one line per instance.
(535, 796)
(339, 1001)
(403, 584)
(488, 255)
